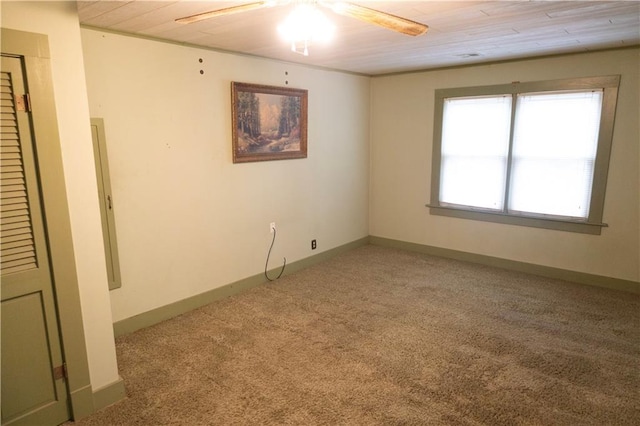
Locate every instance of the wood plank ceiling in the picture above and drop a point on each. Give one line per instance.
(460, 32)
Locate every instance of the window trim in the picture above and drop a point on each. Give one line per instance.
(593, 223)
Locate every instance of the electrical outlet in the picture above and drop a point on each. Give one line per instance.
(313, 244)
(272, 227)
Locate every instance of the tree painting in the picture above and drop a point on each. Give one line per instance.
(249, 114)
(269, 122)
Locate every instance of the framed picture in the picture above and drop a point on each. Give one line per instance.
(269, 123)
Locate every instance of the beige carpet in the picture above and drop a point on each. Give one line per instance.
(380, 336)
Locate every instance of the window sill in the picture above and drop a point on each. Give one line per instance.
(582, 227)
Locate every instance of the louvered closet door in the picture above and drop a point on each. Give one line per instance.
(31, 391)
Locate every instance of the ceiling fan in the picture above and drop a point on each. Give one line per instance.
(377, 17)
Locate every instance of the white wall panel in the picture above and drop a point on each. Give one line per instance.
(188, 219)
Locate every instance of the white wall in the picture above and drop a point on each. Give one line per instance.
(401, 146)
(59, 21)
(189, 220)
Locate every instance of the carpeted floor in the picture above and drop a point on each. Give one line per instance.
(380, 336)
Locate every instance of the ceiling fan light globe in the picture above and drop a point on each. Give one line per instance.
(306, 24)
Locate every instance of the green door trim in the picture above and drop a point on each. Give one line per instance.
(34, 50)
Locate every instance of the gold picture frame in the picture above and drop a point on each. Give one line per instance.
(268, 122)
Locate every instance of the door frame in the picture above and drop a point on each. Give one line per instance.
(34, 50)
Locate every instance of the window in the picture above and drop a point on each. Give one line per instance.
(533, 154)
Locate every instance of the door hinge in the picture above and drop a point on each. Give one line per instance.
(23, 102)
(60, 372)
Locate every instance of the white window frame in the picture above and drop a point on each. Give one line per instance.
(593, 223)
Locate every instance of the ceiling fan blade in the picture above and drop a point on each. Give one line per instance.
(226, 11)
(383, 19)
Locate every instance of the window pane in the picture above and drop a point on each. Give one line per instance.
(473, 181)
(554, 150)
(475, 146)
